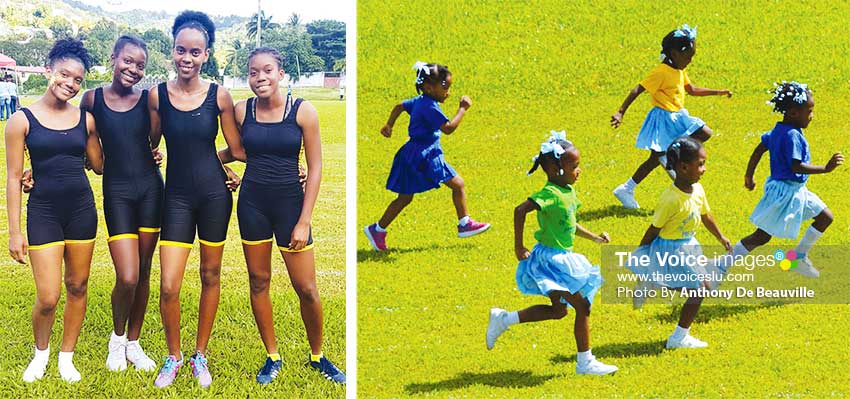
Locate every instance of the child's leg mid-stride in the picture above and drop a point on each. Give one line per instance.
(626, 191)
(703, 134)
(681, 337)
(466, 227)
(377, 232)
(586, 363)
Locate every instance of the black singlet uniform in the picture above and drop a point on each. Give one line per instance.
(60, 208)
(196, 195)
(271, 197)
(132, 183)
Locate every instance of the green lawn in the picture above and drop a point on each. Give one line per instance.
(235, 349)
(530, 67)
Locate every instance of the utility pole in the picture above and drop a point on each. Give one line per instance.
(259, 25)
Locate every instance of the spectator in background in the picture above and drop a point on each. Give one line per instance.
(5, 111)
(12, 88)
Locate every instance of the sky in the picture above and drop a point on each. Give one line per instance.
(309, 10)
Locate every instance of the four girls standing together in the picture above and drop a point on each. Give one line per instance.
(117, 130)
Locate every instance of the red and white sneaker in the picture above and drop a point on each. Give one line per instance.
(472, 228)
(376, 238)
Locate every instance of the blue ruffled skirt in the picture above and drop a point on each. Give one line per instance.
(784, 206)
(419, 167)
(661, 127)
(550, 269)
(665, 272)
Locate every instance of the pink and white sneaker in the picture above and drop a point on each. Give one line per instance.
(376, 238)
(168, 371)
(472, 228)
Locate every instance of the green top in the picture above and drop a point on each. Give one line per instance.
(557, 215)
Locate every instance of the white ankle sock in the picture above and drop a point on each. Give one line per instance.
(118, 338)
(630, 184)
(739, 250)
(67, 370)
(379, 229)
(680, 332)
(463, 221)
(584, 357)
(512, 318)
(42, 355)
(807, 242)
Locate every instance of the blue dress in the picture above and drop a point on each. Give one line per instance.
(419, 165)
(786, 202)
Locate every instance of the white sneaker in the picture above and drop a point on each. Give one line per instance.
(806, 269)
(595, 367)
(137, 356)
(496, 326)
(688, 341)
(36, 368)
(626, 197)
(67, 370)
(116, 360)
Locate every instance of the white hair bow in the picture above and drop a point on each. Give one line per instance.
(421, 67)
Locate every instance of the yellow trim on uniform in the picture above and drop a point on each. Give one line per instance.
(149, 229)
(212, 244)
(306, 248)
(89, 241)
(48, 245)
(175, 244)
(122, 236)
(246, 242)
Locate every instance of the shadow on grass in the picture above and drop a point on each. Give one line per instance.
(499, 379)
(391, 254)
(617, 211)
(715, 312)
(620, 350)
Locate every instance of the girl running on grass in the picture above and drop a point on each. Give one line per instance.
(551, 269)
(679, 213)
(61, 216)
(668, 119)
(419, 165)
(787, 202)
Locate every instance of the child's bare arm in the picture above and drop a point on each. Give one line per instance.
(601, 238)
(387, 130)
(712, 227)
(519, 225)
(617, 118)
(702, 91)
(650, 235)
(804, 168)
(755, 158)
(450, 126)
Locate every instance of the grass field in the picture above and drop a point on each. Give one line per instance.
(530, 67)
(235, 349)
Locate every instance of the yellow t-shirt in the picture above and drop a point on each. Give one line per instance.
(666, 86)
(678, 214)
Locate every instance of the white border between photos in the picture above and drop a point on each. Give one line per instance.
(351, 201)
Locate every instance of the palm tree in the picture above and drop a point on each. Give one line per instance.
(265, 23)
(232, 59)
(294, 20)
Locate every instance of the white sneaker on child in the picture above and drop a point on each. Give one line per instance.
(626, 197)
(687, 341)
(137, 356)
(116, 359)
(36, 368)
(67, 370)
(806, 269)
(595, 367)
(496, 327)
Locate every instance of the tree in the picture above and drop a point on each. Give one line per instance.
(100, 39)
(265, 24)
(157, 41)
(294, 20)
(294, 43)
(339, 65)
(210, 68)
(158, 65)
(32, 53)
(234, 63)
(62, 29)
(328, 38)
